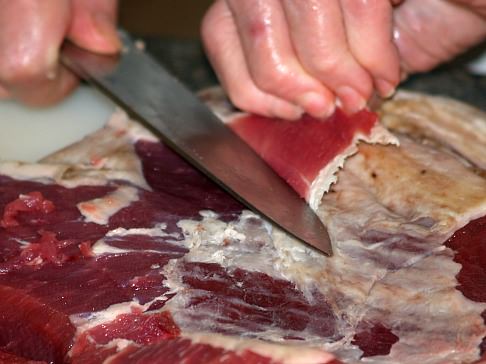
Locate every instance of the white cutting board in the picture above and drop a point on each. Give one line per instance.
(28, 134)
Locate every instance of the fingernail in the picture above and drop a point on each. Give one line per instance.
(106, 30)
(350, 99)
(385, 88)
(316, 105)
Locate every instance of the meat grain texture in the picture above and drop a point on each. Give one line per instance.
(143, 260)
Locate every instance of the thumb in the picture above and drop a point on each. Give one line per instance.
(93, 25)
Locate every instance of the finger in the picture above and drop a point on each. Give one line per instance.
(46, 91)
(223, 49)
(272, 62)
(93, 25)
(319, 37)
(32, 32)
(429, 35)
(369, 30)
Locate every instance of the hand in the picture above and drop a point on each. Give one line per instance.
(284, 57)
(432, 33)
(31, 33)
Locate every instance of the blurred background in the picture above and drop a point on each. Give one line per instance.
(164, 18)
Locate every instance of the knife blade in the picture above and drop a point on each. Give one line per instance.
(148, 93)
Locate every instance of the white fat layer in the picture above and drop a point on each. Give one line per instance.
(327, 177)
(85, 322)
(135, 131)
(44, 173)
(96, 160)
(101, 247)
(285, 354)
(71, 176)
(120, 344)
(99, 210)
(105, 155)
(229, 244)
(157, 231)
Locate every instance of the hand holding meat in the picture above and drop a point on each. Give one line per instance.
(284, 58)
(31, 33)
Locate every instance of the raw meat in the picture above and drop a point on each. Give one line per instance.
(13, 359)
(31, 328)
(181, 269)
(33, 201)
(308, 152)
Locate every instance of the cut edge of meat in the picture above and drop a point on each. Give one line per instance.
(219, 103)
(328, 175)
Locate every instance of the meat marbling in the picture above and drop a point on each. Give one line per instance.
(176, 269)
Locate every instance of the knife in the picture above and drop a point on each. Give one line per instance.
(148, 93)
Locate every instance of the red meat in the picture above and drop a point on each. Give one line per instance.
(31, 202)
(299, 150)
(37, 300)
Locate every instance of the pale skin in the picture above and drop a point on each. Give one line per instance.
(31, 33)
(274, 57)
(285, 57)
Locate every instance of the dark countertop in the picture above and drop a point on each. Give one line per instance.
(187, 61)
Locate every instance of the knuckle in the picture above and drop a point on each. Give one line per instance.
(274, 80)
(324, 67)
